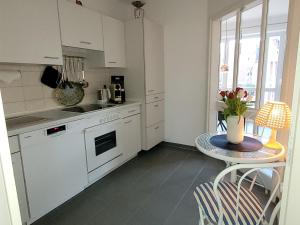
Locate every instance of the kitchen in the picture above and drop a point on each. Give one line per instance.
(103, 100)
(69, 123)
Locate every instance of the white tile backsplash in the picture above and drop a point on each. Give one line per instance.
(35, 105)
(28, 94)
(15, 83)
(48, 92)
(33, 92)
(31, 78)
(13, 108)
(12, 94)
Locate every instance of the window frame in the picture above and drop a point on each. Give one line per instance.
(214, 54)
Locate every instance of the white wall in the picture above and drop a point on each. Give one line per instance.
(215, 7)
(186, 40)
(119, 9)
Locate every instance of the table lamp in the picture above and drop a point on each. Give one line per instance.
(274, 115)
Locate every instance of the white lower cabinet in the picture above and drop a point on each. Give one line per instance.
(54, 166)
(50, 164)
(154, 113)
(131, 136)
(20, 185)
(154, 135)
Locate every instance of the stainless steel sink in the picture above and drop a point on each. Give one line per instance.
(23, 121)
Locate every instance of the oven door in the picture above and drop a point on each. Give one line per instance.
(102, 144)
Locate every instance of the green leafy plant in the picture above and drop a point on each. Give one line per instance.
(235, 102)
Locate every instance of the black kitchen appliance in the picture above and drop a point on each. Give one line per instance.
(117, 89)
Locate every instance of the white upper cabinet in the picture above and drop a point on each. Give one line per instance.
(29, 32)
(114, 42)
(80, 27)
(154, 57)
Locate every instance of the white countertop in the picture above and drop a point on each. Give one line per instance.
(57, 116)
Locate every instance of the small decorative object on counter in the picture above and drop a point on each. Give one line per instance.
(103, 96)
(234, 111)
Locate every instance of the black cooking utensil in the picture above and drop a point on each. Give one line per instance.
(51, 77)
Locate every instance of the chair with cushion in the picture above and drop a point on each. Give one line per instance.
(224, 202)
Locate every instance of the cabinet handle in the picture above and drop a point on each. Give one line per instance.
(156, 105)
(156, 128)
(156, 97)
(151, 90)
(86, 42)
(131, 111)
(127, 122)
(112, 62)
(50, 57)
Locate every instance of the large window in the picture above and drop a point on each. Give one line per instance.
(252, 48)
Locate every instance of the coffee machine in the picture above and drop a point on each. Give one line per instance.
(117, 89)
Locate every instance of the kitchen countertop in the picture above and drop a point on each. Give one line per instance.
(57, 116)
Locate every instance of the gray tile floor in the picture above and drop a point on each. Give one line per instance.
(155, 188)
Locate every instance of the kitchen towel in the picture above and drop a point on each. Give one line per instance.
(8, 76)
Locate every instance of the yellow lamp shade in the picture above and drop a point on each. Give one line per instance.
(275, 115)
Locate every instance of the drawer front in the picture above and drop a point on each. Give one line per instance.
(154, 112)
(155, 135)
(154, 98)
(131, 111)
(14, 144)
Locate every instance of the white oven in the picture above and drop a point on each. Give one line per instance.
(102, 144)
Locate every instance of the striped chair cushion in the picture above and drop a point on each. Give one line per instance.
(249, 206)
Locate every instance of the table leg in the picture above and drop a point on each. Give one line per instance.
(233, 176)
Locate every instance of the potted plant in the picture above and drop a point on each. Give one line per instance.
(234, 112)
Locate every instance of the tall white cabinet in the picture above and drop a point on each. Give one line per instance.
(145, 79)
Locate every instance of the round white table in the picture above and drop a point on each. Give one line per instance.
(264, 155)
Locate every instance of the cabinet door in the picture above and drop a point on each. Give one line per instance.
(30, 32)
(80, 27)
(114, 42)
(20, 185)
(155, 135)
(154, 57)
(131, 136)
(154, 113)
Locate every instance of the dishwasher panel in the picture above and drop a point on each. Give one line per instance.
(54, 166)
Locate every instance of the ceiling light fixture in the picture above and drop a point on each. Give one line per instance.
(138, 11)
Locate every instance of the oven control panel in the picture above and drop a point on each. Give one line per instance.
(109, 117)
